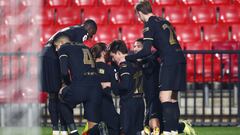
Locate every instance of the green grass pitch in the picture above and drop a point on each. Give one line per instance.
(199, 130)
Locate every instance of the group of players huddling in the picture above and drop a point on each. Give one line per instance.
(72, 74)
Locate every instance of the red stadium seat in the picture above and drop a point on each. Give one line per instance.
(188, 33)
(5, 3)
(201, 45)
(158, 10)
(43, 97)
(81, 3)
(198, 45)
(203, 14)
(134, 2)
(230, 14)
(111, 2)
(68, 16)
(58, 3)
(218, 2)
(235, 32)
(176, 14)
(227, 45)
(166, 2)
(192, 2)
(46, 33)
(237, 2)
(227, 59)
(4, 38)
(122, 15)
(106, 33)
(98, 14)
(131, 34)
(210, 65)
(24, 38)
(45, 17)
(215, 33)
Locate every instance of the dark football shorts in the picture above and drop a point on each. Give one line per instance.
(172, 77)
(89, 95)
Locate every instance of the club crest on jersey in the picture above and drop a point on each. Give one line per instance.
(101, 71)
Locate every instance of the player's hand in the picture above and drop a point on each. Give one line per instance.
(105, 84)
(60, 93)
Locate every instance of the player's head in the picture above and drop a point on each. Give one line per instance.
(60, 40)
(118, 50)
(138, 45)
(91, 27)
(99, 51)
(143, 9)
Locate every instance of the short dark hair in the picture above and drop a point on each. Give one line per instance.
(118, 45)
(144, 7)
(91, 26)
(97, 49)
(140, 40)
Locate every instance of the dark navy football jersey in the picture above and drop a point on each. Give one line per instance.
(106, 74)
(160, 33)
(130, 79)
(77, 59)
(75, 33)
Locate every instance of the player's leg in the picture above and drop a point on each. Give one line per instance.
(64, 128)
(92, 108)
(183, 126)
(66, 107)
(139, 113)
(69, 118)
(168, 112)
(155, 108)
(110, 116)
(54, 114)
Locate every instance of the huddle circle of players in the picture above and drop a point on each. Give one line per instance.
(72, 74)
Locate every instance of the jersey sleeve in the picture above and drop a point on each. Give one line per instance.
(148, 33)
(114, 80)
(124, 85)
(63, 57)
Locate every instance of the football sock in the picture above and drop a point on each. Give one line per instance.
(168, 115)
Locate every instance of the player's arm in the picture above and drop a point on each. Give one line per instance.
(124, 83)
(147, 44)
(114, 80)
(63, 57)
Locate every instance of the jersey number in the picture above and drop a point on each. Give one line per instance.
(87, 58)
(172, 39)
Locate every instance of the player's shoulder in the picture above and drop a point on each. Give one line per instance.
(153, 20)
(127, 66)
(48, 50)
(65, 47)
